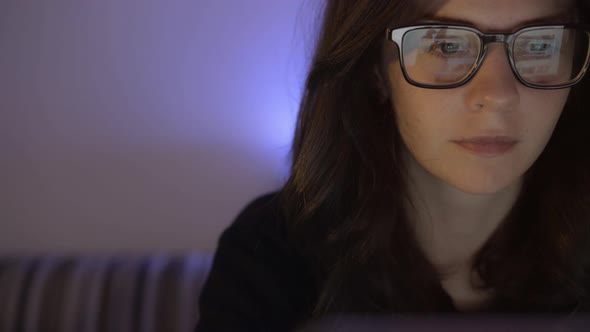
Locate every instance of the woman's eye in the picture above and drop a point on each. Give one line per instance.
(538, 47)
(446, 48)
(532, 48)
(450, 47)
(541, 49)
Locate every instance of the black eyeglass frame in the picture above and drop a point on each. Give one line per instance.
(397, 34)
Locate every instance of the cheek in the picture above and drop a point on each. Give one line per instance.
(542, 114)
(412, 124)
(539, 124)
(423, 118)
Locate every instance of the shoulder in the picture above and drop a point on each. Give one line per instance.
(259, 226)
(262, 214)
(257, 277)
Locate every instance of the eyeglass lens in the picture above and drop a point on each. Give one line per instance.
(542, 57)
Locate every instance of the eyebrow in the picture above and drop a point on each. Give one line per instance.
(561, 18)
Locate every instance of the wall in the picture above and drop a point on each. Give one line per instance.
(143, 125)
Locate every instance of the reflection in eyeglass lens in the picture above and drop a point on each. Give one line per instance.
(538, 56)
(440, 56)
(543, 56)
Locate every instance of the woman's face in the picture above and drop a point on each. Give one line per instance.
(444, 130)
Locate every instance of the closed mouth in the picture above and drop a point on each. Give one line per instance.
(487, 140)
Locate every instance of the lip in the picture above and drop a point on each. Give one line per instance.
(487, 146)
(488, 139)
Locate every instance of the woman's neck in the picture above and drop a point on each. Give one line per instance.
(451, 225)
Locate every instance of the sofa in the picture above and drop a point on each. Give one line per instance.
(95, 293)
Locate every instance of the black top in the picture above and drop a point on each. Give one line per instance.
(257, 281)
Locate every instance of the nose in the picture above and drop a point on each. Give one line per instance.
(493, 87)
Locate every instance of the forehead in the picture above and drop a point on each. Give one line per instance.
(503, 15)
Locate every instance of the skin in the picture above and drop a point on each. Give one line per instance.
(459, 198)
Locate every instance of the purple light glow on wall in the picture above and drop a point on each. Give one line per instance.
(143, 125)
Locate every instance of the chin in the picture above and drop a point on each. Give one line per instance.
(480, 190)
(484, 185)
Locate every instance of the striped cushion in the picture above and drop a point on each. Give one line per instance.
(94, 294)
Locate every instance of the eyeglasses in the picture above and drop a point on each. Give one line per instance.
(448, 56)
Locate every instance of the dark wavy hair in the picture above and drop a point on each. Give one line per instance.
(345, 196)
